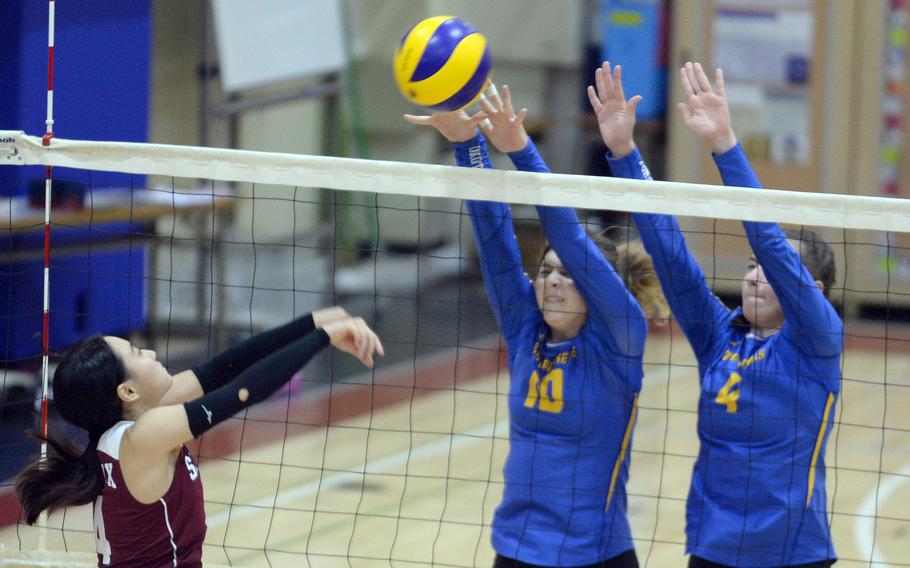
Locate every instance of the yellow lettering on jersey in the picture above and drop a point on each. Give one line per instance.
(731, 356)
(548, 393)
(531, 400)
(551, 392)
(559, 359)
(729, 393)
(734, 357)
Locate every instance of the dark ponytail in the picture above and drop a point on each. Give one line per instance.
(85, 395)
(817, 255)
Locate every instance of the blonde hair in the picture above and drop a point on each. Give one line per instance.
(636, 269)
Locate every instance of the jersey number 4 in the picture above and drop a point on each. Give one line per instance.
(729, 393)
(546, 393)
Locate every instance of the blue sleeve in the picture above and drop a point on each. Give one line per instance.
(508, 288)
(699, 313)
(613, 311)
(809, 317)
(528, 159)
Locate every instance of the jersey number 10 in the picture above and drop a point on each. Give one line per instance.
(546, 393)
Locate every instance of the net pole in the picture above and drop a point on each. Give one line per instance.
(45, 314)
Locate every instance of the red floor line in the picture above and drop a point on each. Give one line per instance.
(267, 423)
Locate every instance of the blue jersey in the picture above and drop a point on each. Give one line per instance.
(766, 405)
(572, 405)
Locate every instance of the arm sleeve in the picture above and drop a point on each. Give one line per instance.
(528, 159)
(699, 313)
(508, 287)
(612, 309)
(260, 380)
(224, 367)
(808, 316)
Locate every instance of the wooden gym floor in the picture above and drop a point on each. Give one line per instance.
(368, 473)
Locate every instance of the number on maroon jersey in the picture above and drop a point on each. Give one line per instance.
(191, 467)
(102, 546)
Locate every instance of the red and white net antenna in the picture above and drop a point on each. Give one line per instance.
(46, 140)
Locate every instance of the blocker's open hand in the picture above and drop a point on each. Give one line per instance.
(705, 110)
(454, 126)
(504, 128)
(615, 114)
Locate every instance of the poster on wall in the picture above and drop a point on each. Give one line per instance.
(893, 261)
(770, 96)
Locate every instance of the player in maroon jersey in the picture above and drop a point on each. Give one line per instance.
(145, 487)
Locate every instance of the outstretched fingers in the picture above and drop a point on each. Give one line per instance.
(362, 342)
(418, 119)
(618, 92)
(692, 79)
(494, 97)
(486, 105)
(374, 345)
(596, 104)
(477, 118)
(684, 80)
(719, 81)
(520, 117)
(601, 78)
(506, 100)
(702, 79)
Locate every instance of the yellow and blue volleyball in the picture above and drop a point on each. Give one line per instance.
(442, 63)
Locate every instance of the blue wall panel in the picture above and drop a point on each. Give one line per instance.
(101, 92)
(635, 36)
(101, 75)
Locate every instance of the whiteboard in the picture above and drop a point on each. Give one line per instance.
(269, 41)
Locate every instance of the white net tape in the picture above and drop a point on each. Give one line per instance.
(697, 200)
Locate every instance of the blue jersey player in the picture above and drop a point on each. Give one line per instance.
(769, 371)
(575, 337)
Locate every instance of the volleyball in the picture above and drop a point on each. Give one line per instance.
(442, 63)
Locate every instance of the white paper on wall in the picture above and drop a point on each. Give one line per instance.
(270, 41)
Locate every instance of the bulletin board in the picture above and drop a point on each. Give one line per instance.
(772, 55)
(773, 59)
(893, 259)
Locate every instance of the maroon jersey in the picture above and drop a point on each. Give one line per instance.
(166, 533)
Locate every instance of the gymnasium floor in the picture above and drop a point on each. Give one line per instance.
(361, 475)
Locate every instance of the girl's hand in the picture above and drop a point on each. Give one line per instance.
(454, 126)
(328, 315)
(504, 129)
(615, 115)
(352, 335)
(706, 111)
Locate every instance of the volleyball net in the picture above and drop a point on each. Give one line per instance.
(190, 249)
